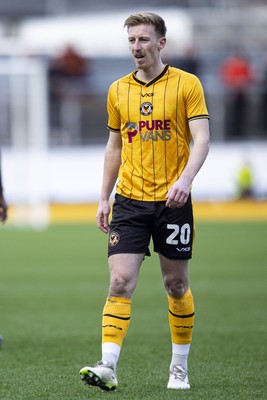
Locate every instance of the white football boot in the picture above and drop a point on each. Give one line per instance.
(102, 375)
(178, 378)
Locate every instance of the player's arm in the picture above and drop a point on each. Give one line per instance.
(112, 162)
(3, 204)
(179, 191)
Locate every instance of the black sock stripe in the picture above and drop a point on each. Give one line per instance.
(182, 316)
(112, 326)
(116, 316)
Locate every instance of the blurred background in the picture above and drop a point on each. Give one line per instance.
(57, 60)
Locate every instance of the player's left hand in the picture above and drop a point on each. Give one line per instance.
(178, 194)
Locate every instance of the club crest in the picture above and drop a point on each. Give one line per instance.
(114, 238)
(146, 108)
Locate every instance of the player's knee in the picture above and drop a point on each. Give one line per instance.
(175, 287)
(120, 287)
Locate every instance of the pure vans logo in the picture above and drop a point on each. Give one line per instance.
(147, 95)
(149, 130)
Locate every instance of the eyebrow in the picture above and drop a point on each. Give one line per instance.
(140, 37)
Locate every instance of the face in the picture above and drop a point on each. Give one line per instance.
(145, 46)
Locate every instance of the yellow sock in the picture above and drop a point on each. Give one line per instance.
(181, 318)
(115, 319)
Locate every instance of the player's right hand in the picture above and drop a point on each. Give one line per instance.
(102, 216)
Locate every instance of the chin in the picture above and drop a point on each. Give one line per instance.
(138, 66)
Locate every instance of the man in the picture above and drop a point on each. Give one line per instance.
(3, 204)
(237, 75)
(153, 114)
(245, 181)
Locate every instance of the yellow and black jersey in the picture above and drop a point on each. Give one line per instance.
(152, 119)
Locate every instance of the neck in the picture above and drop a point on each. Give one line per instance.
(148, 75)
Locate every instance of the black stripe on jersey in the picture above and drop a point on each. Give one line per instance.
(153, 80)
(199, 117)
(116, 316)
(165, 151)
(113, 129)
(132, 147)
(182, 316)
(141, 147)
(177, 124)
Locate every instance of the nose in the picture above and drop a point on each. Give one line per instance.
(136, 46)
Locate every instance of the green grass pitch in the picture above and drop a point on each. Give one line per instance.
(53, 285)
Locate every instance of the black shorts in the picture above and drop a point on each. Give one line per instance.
(135, 222)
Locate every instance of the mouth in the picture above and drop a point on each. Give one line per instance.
(138, 56)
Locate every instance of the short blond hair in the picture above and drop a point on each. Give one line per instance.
(147, 18)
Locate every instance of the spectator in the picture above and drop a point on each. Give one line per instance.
(263, 105)
(236, 74)
(245, 181)
(188, 62)
(66, 79)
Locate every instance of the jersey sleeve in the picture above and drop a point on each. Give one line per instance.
(195, 100)
(114, 121)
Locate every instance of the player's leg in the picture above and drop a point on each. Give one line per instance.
(181, 318)
(173, 240)
(128, 243)
(124, 271)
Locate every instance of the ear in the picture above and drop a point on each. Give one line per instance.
(162, 43)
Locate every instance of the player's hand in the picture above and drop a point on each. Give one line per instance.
(102, 216)
(178, 194)
(3, 210)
